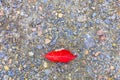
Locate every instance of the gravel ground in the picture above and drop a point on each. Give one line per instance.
(31, 28)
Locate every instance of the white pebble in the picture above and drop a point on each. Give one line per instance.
(31, 53)
(60, 15)
(45, 64)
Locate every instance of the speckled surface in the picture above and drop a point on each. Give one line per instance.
(31, 28)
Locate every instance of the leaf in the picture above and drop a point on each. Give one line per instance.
(60, 55)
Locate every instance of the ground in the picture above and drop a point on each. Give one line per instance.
(29, 29)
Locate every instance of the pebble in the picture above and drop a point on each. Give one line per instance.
(40, 8)
(31, 54)
(1, 13)
(89, 42)
(0, 23)
(97, 21)
(33, 29)
(110, 79)
(1, 66)
(86, 52)
(94, 14)
(60, 15)
(32, 1)
(6, 77)
(26, 78)
(102, 38)
(47, 41)
(11, 73)
(101, 35)
(112, 67)
(97, 53)
(45, 64)
(45, 1)
(118, 12)
(47, 71)
(54, 40)
(6, 68)
(69, 76)
(114, 44)
(10, 61)
(39, 46)
(2, 54)
(100, 32)
(107, 21)
(39, 31)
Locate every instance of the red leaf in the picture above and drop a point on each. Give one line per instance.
(60, 55)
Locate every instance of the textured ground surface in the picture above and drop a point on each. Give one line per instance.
(31, 28)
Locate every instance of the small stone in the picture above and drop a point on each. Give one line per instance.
(97, 21)
(32, 65)
(47, 71)
(40, 8)
(0, 23)
(101, 1)
(54, 12)
(54, 40)
(110, 79)
(94, 14)
(47, 41)
(10, 78)
(45, 64)
(1, 13)
(112, 67)
(69, 77)
(89, 42)
(93, 8)
(114, 45)
(5, 77)
(118, 12)
(102, 37)
(32, 1)
(119, 53)
(84, 62)
(10, 61)
(97, 53)
(31, 53)
(107, 21)
(1, 66)
(100, 32)
(39, 46)
(86, 52)
(60, 15)
(33, 29)
(11, 73)
(6, 68)
(39, 31)
(45, 1)
(2, 54)
(119, 27)
(26, 78)
(18, 12)
(20, 67)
